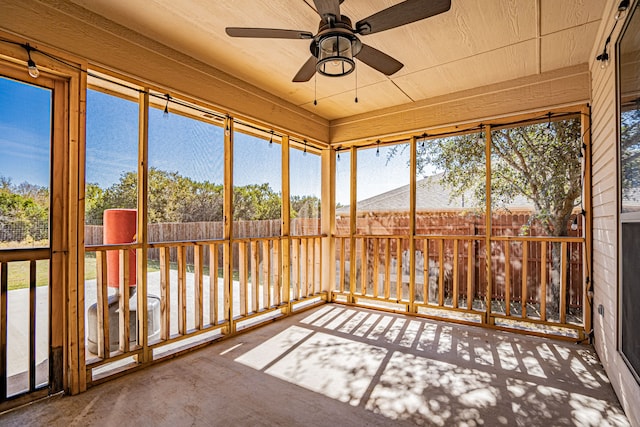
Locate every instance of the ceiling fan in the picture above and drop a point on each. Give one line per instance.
(336, 44)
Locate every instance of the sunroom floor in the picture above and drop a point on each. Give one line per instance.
(336, 365)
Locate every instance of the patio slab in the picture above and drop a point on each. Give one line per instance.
(336, 365)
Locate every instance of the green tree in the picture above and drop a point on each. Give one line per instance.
(305, 207)
(256, 202)
(24, 211)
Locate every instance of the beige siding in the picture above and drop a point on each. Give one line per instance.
(605, 229)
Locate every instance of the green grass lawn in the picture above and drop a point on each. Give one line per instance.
(18, 273)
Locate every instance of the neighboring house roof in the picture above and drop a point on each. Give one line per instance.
(431, 195)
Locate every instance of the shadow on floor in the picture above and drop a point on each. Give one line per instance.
(343, 366)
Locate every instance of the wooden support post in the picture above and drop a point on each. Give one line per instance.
(266, 272)
(304, 273)
(425, 270)
(255, 277)
(376, 266)
(142, 230)
(353, 223)
(470, 262)
(227, 278)
(441, 272)
(198, 286)
(398, 269)
(165, 293)
(295, 274)
(182, 290)
(328, 221)
(507, 277)
(277, 271)
(413, 162)
(282, 282)
(102, 312)
(285, 272)
(563, 282)
(387, 268)
(364, 264)
(311, 273)
(543, 282)
(587, 202)
(525, 276)
(318, 261)
(243, 265)
(228, 224)
(488, 232)
(342, 263)
(213, 284)
(456, 275)
(123, 301)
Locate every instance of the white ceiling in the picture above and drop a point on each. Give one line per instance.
(475, 43)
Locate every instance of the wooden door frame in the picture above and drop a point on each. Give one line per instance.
(67, 81)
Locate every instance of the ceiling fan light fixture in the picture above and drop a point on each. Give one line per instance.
(335, 55)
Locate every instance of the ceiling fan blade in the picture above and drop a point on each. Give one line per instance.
(307, 71)
(268, 33)
(401, 14)
(328, 7)
(379, 60)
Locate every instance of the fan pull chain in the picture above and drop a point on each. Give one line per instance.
(356, 100)
(315, 89)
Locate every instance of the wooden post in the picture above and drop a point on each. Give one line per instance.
(295, 273)
(376, 266)
(398, 269)
(363, 263)
(213, 284)
(387, 268)
(228, 224)
(587, 202)
(470, 262)
(165, 293)
(182, 290)
(255, 277)
(283, 284)
(266, 272)
(328, 221)
(563, 282)
(243, 266)
(142, 218)
(525, 275)
(277, 272)
(441, 272)
(198, 285)
(543, 282)
(507, 277)
(123, 300)
(102, 312)
(456, 242)
(413, 162)
(488, 232)
(352, 224)
(304, 268)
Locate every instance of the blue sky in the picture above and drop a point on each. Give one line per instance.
(176, 143)
(25, 132)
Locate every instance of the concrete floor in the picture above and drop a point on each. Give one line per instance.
(342, 366)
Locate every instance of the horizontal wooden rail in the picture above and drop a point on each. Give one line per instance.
(15, 255)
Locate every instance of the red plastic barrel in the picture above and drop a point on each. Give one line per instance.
(119, 227)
